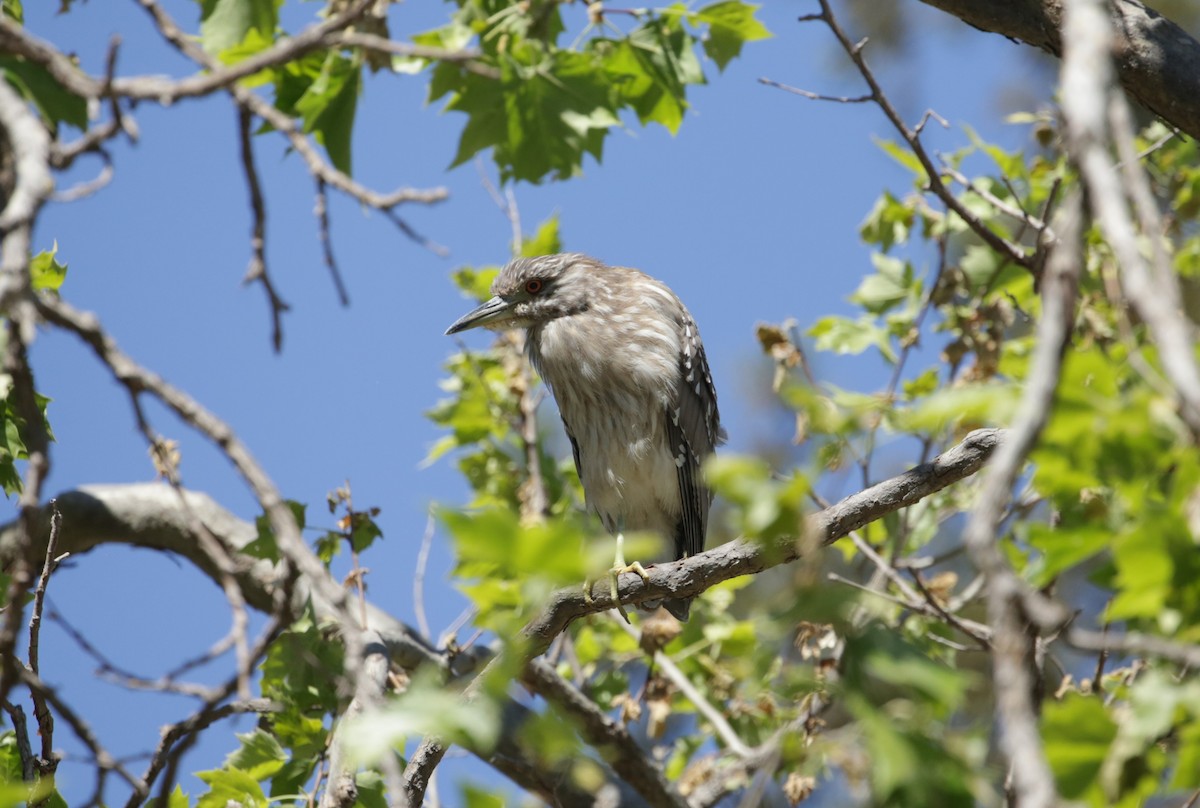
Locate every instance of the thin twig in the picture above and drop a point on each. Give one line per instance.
(324, 229)
(20, 727)
(41, 711)
(703, 706)
(257, 272)
(912, 137)
(840, 99)
(419, 576)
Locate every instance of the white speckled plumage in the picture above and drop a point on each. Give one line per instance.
(624, 360)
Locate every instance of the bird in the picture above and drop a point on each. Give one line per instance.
(623, 359)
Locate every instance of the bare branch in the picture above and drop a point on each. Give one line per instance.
(189, 727)
(137, 380)
(257, 271)
(911, 136)
(839, 99)
(45, 719)
(341, 791)
(1133, 644)
(324, 230)
(1008, 602)
(21, 733)
(150, 515)
(703, 706)
(104, 761)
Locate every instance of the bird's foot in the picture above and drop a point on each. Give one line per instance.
(613, 579)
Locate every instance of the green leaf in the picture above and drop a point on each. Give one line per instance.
(888, 223)
(225, 23)
(364, 533)
(731, 24)
(176, 799)
(328, 105)
(230, 785)
(12, 9)
(546, 112)
(45, 270)
(980, 264)
(54, 103)
(426, 708)
(259, 756)
(845, 336)
(652, 68)
(264, 545)
(476, 797)
(892, 283)
(545, 242)
(904, 156)
(13, 436)
(1077, 732)
(763, 507)
(971, 405)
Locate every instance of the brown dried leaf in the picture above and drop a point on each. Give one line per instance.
(658, 630)
(798, 787)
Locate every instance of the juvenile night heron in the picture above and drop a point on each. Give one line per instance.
(623, 359)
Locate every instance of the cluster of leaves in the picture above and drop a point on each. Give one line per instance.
(277, 760)
(301, 675)
(1107, 520)
(547, 106)
(538, 105)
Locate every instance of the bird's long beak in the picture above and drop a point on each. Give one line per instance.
(493, 311)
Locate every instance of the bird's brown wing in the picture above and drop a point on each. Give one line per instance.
(574, 447)
(694, 429)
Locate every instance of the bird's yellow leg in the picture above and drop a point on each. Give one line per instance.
(619, 567)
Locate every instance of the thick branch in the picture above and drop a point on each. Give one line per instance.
(155, 516)
(1158, 63)
(693, 575)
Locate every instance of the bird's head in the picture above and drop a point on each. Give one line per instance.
(530, 291)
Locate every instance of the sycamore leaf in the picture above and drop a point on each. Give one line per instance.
(225, 23)
(327, 107)
(230, 785)
(259, 756)
(845, 336)
(45, 270)
(731, 24)
(545, 241)
(55, 103)
(547, 112)
(1078, 732)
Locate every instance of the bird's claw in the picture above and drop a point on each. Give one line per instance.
(613, 580)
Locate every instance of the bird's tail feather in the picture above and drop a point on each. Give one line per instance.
(678, 607)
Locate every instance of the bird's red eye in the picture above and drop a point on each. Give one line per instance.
(533, 286)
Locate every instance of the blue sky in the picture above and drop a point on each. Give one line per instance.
(750, 213)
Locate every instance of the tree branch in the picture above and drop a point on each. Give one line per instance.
(1009, 599)
(153, 516)
(1157, 62)
(912, 137)
(609, 736)
(693, 575)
